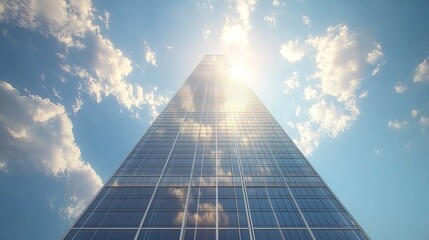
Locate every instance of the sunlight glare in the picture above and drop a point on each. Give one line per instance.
(241, 70)
(238, 72)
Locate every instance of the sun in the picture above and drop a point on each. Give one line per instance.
(244, 71)
(238, 72)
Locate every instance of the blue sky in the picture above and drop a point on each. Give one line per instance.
(81, 81)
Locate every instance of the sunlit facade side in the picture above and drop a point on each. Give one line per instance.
(215, 164)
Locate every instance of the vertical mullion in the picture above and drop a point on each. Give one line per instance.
(245, 198)
(182, 231)
(290, 192)
(217, 164)
(274, 213)
(165, 165)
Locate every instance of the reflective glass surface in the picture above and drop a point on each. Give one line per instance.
(215, 164)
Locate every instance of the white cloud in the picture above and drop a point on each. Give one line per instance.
(341, 58)
(363, 95)
(400, 88)
(1, 10)
(306, 20)
(308, 137)
(424, 121)
(105, 19)
(376, 70)
(293, 50)
(71, 22)
(271, 20)
(414, 112)
(206, 33)
(298, 111)
(422, 71)
(291, 83)
(77, 105)
(3, 166)
(276, 2)
(24, 122)
(377, 151)
(396, 124)
(331, 119)
(56, 93)
(205, 4)
(108, 80)
(376, 55)
(154, 101)
(169, 47)
(68, 21)
(150, 56)
(375, 58)
(310, 93)
(238, 25)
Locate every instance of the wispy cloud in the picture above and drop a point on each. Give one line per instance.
(309, 137)
(424, 121)
(306, 20)
(26, 119)
(271, 20)
(206, 33)
(293, 50)
(375, 58)
(205, 4)
(237, 24)
(421, 73)
(56, 93)
(77, 105)
(150, 55)
(376, 55)
(400, 88)
(298, 111)
(414, 112)
(310, 93)
(363, 95)
(110, 82)
(291, 83)
(105, 19)
(396, 124)
(3, 166)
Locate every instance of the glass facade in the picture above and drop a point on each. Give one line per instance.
(215, 164)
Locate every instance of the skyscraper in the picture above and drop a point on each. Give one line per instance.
(215, 164)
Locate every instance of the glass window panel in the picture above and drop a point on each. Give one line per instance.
(228, 219)
(289, 219)
(115, 234)
(159, 234)
(273, 234)
(244, 234)
(263, 219)
(121, 219)
(297, 234)
(229, 234)
(189, 234)
(163, 219)
(207, 234)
